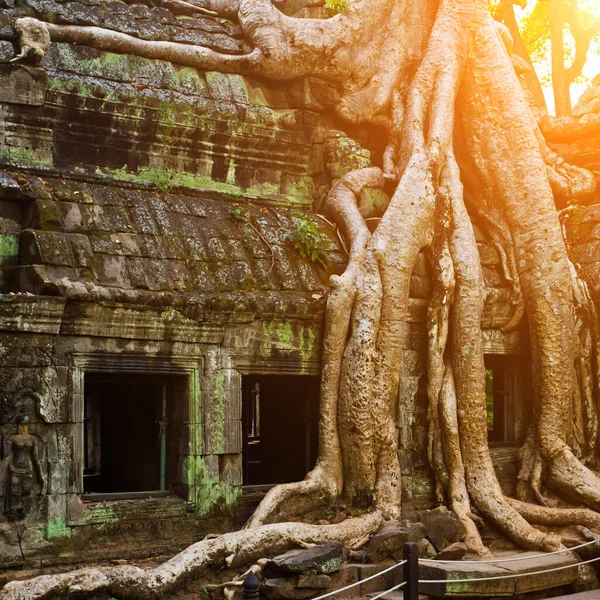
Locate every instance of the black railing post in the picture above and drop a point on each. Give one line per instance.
(251, 587)
(410, 553)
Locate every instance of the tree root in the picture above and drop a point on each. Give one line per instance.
(542, 515)
(231, 549)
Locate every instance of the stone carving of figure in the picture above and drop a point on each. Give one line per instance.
(22, 467)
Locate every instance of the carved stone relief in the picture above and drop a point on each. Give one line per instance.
(21, 475)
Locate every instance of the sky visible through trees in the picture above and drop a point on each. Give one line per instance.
(534, 23)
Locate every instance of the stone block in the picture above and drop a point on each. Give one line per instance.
(111, 218)
(230, 469)
(81, 249)
(22, 85)
(7, 51)
(9, 188)
(112, 270)
(75, 217)
(382, 582)
(315, 581)
(446, 573)
(142, 218)
(454, 551)
(544, 581)
(283, 588)
(392, 535)
(9, 247)
(443, 527)
(148, 273)
(223, 437)
(121, 244)
(56, 524)
(43, 213)
(58, 477)
(46, 247)
(324, 558)
(347, 575)
(178, 276)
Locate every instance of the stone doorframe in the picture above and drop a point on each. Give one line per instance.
(83, 363)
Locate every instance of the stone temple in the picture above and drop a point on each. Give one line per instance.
(160, 315)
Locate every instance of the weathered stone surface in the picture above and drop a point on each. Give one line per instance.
(285, 589)
(544, 581)
(390, 538)
(9, 188)
(22, 85)
(324, 558)
(7, 51)
(443, 527)
(101, 230)
(426, 549)
(453, 552)
(318, 581)
(503, 582)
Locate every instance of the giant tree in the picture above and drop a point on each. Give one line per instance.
(461, 141)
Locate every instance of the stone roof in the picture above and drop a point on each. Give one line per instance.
(92, 241)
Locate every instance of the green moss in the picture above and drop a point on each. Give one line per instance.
(208, 493)
(56, 528)
(9, 245)
(196, 414)
(23, 157)
(307, 341)
(300, 188)
(218, 421)
(168, 178)
(284, 336)
(264, 189)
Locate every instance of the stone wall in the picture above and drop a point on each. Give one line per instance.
(582, 227)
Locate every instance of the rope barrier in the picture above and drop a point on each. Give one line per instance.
(585, 562)
(504, 560)
(402, 562)
(413, 569)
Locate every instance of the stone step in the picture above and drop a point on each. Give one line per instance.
(498, 585)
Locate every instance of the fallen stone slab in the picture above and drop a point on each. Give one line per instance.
(443, 527)
(324, 558)
(316, 581)
(392, 535)
(283, 588)
(454, 551)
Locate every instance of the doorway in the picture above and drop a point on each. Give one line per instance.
(280, 424)
(126, 422)
(508, 398)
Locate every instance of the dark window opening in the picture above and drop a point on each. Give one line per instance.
(127, 422)
(508, 398)
(280, 424)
